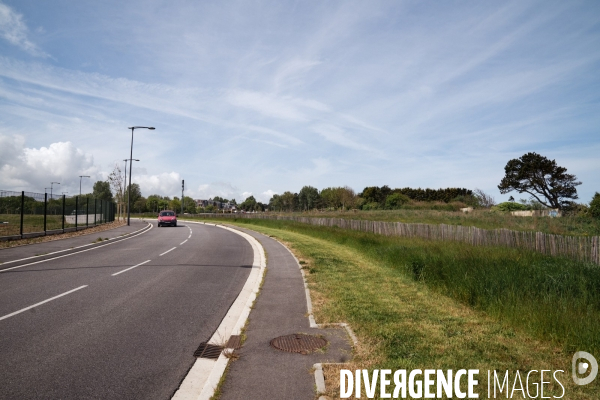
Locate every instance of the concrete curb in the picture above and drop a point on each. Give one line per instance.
(204, 376)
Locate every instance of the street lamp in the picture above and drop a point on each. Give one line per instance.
(52, 183)
(127, 159)
(130, 166)
(80, 178)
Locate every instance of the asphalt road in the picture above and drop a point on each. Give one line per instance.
(117, 332)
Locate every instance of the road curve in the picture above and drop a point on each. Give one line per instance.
(120, 322)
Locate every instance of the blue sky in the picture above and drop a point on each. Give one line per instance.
(260, 97)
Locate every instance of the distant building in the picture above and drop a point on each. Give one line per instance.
(217, 204)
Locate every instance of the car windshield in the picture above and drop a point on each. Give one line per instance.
(167, 214)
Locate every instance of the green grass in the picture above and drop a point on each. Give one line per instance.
(485, 219)
(569, 225)
(424, 304)
(32, 223)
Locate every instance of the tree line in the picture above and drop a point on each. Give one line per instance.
(371, 198)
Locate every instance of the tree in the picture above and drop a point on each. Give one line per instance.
(275, 203)
(117, 184)
(190, 205)
(484, 199)
(249, 204)
(102, 191)
(595, 206)
(136, 194)
(308, 198)
(289, 201)
(139, 205)
(395, 201)
(540, 177)
(174, 204)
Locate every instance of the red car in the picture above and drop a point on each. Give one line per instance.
(167, 217)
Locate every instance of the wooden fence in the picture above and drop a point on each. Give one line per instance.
(581, 248)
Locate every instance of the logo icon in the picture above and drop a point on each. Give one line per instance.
(582, 367)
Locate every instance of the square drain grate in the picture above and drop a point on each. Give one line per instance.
(207, 350)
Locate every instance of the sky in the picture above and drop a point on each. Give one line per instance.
(260, 97)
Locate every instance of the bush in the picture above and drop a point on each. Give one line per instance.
(371, 206)
(395, 201)
(510, 206)
(594, 209)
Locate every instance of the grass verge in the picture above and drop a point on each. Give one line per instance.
(440, 305)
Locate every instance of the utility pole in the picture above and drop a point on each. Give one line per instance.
(182, 198)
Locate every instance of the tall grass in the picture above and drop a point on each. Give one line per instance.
(568, 225)
(551, 298)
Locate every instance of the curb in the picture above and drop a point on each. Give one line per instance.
(203, 378)
(215, 369)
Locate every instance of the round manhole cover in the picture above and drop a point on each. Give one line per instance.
(298, 343)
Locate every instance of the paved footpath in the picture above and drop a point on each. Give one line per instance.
(43, 250)
(263, 372)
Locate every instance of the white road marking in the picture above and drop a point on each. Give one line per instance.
(41, 302)
(183, 242)
(190, 236)
(167, 251)
(70, 254)
(78, 247)
(125, 270)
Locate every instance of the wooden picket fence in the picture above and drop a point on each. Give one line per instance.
(581, 248)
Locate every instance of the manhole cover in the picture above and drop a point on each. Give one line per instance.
(298, 343)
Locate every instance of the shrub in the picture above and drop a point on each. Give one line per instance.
(510, 206)
(395, 201)
(371, 206)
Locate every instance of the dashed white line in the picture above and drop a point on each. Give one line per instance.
(125, 270)
(167, 251)
(41, 302)
(70, 254)
(183, 242)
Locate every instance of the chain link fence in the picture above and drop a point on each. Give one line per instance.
(27, 214)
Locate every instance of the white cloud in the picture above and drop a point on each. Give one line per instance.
(221, 189)
(245, 195)
(265, 196)
(33, 169)
(266, 104)
(337, 135)
(14, 30)
(165, 184)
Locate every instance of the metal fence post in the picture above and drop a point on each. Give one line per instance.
(101, 215)
(45, 210)
(22, 212)
(87, 210)
(76, 211)
(95, 211)
(63, 215)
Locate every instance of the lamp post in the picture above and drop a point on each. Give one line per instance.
(52, 183)
(127, 159)
(130, 166)
(80, 178)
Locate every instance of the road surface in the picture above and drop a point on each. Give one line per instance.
(118, 322)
